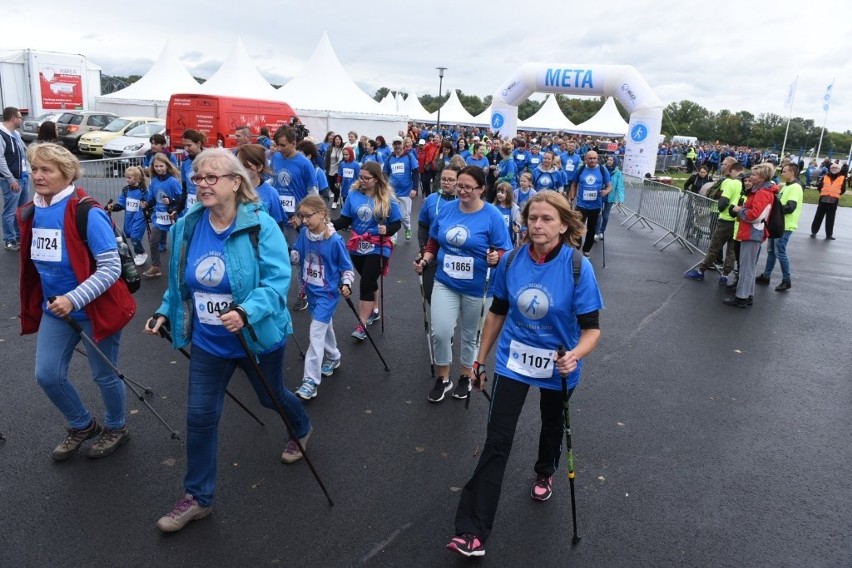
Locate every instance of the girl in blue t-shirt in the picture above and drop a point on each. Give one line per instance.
(347, 172)
(511, 213)
(253, 159)
(326, 276)
(136, 201)
(539, 305)
(166, 197)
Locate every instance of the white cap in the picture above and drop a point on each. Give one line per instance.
(396, 139)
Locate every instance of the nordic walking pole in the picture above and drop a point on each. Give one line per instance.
(426, 321)
(603, 251)
(481, 323)
(381, 281)
(91, 343)
(299, 347)
(370, 337)
(569, 451)
(164, 333)
(268, 388)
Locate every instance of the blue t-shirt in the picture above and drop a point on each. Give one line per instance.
(162, 189)
(508, 171)
(207, 278)
(570, 163)
(49, 250)
(349, 172)
(186, 174)
(543, 309)
(521, 158)
(269, 198)
(431, 208)
(464, 239)
(132, 199)
(359, 208)
(521, 196)
(323, 264)
(534, 160)
(398, 170)
(294, 179)
(546, 180)
(590, 183)
(511, 216)
(481, 162)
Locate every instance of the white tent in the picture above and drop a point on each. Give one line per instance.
(412, 108)
(454, 113)
(548, 118)
(484, 118)
(389, 103)
(238, 77)
(149, 96)
(607, 122)
(326, 98)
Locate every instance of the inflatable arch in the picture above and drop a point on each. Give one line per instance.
(620, 81)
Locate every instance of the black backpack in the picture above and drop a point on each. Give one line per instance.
(128, 267)
(775, 219)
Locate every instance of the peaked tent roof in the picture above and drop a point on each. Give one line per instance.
(165, 77)
(238, 77)
(483, 118)
(389, 102)
(548, 117)
(454, 113)
(412, 108)
(607, 122)
(323, 84)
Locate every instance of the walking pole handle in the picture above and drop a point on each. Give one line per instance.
(69, 320)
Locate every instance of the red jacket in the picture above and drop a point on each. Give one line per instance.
(426, 156)
(754, 213)
(109, 312)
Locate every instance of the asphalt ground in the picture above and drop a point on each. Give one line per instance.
(704, 436)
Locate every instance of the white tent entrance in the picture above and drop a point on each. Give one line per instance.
(620, 81)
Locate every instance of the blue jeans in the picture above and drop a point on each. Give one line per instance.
(54, 347)
(604, 218)
(778, 249)
(208, 379)
(11, 202)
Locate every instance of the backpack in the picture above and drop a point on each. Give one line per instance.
(128, 267)
(775, 219)
(576, 261)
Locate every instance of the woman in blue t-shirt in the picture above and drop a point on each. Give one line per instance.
(537, 308)
(229, 273)
(467, 238)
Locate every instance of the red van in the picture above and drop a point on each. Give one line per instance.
(218, 117)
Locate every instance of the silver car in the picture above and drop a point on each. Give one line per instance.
(134, 142)
(29, 129)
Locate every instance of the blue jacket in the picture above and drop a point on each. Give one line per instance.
(617, 181)
(259, 276)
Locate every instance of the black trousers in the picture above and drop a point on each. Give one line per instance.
(590, 218)
(369, 267)
(480, 496)
(426, 181)
(826, 211)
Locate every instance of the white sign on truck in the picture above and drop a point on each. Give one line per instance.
(41, 81)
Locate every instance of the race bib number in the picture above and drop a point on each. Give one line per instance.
(458, 267)
(163, 218)
(535, 161)
(348, 173)
(314, 274)
(191, 200)
(47, 245)
(530, 361)
(131, 205)
(398, 168)
(569, 167)
(366, 247)
(590, 194)
(521, 157)
(208, 305)
(288, 203)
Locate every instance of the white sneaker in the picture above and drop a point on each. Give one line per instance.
(140, 259)
(334, 205)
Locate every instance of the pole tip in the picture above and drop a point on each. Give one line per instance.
(576, 540)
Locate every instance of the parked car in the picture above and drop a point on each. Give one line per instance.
(29, 130)
(71, 125)
(93, 142)
(135, 142)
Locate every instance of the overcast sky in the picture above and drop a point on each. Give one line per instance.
(722, 55)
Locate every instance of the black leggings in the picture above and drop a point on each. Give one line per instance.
(825, 211)
(332, 185)
(369, 267)
(590, 218)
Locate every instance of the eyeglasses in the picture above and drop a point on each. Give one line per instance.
(208, 179)
(365, 178)
(466, 188)
(448, 180)
(306, 216)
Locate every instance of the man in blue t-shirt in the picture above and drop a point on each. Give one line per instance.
(591, 184)
(401, 169)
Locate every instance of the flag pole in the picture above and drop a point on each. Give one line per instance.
(825, 106)
(791, 98)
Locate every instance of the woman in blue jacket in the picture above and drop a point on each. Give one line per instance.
(229, 253)
(615, 196)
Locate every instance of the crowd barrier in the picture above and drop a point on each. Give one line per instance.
(687, 218)
(104, 179)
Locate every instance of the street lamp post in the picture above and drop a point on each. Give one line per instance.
(440, 90)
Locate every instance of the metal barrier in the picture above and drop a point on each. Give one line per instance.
(104, 179)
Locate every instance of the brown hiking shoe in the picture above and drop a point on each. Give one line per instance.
(69, 446)
(184, 511)
(153, 272)
(109, 441)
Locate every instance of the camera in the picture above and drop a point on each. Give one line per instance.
(301, 131)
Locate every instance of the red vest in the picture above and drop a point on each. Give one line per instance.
(109, 312)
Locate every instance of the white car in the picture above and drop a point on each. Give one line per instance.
(135, 142)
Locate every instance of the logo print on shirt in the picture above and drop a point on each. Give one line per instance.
(591, 179)
(365, 213)
(210, 271)
(533, 303)
(284, 178)
(457, 236)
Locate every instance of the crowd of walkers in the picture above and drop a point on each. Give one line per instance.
(504, 232)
